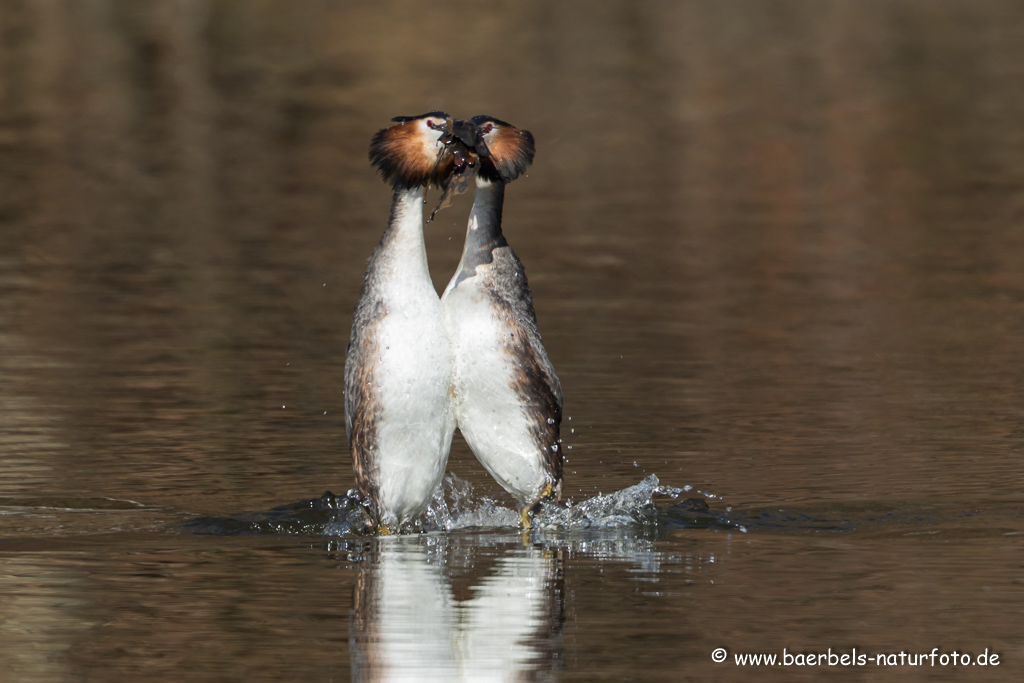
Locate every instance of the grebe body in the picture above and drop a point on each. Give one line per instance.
(399, 414)
(507, 397)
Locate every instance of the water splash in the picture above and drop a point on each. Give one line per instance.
(455, 506)
(458, 506)
(631, 506)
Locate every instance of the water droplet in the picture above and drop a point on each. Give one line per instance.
(634, 464)
(325, 412)
(569, 447)
(554, 448)
(283, 407)
(551, 420)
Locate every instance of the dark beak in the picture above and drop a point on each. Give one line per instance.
(466, 132)
(446, 137)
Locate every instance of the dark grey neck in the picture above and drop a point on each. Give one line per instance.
(483, 235)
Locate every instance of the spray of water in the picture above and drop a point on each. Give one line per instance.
(458, 506)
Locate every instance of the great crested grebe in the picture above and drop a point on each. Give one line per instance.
(508, 401)
(398, 410)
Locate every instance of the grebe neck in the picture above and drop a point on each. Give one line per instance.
(483, 233)
(403, 242)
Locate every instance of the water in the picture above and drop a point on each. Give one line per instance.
(775, 254)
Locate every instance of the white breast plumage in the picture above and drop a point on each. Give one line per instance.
(489, 408)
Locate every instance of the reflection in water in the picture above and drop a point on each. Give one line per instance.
(408, 625)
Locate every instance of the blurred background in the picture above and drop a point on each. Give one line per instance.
(775, 247)
(764, 239)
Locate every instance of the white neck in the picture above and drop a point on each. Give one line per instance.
(404, 252)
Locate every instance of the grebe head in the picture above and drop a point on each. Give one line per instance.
(504, 150)
(418, 151)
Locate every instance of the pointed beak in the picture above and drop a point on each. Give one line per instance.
(466, 132)
(446, 137)
(460, 141)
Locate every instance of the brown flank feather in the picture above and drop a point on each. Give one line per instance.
(534, 379)
(363, 413)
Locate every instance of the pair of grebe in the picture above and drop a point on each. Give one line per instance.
(417, 365)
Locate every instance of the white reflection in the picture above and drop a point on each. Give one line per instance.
(408, 626)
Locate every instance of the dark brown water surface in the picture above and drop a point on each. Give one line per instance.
(776, 253)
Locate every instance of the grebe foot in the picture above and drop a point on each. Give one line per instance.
(531, 509)
(525, 523)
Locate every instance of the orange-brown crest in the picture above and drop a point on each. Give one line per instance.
(505, 151)
(409, 155)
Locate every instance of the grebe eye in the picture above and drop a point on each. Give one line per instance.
(430, 123)
(490, 127)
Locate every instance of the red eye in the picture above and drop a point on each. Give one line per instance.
(490, 127)
(430, 123)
